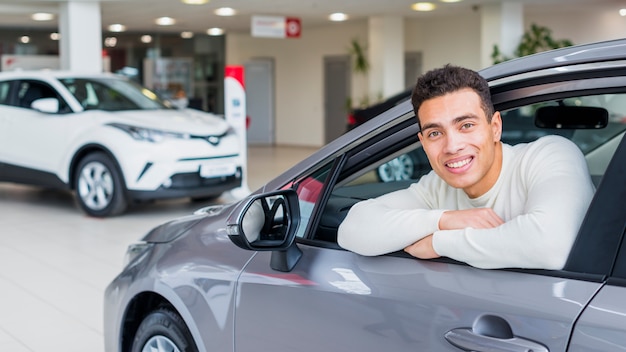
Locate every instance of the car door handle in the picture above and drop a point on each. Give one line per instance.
(491, 333)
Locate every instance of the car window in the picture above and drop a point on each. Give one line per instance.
(4, 93)
(29, 91)
(309, 189)
(398, 169)
(111, 94)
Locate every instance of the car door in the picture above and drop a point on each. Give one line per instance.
(337, 300)
(34, 139)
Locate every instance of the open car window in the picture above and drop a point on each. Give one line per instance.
(397, 169)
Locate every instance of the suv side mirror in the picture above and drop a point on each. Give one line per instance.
(47, 105)
(268, 222)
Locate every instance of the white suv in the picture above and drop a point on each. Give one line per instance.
(110, 140)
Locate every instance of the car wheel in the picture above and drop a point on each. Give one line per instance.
(398, 169)
(163, 331)
(99, 187)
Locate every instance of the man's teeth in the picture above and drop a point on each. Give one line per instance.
(458, 164)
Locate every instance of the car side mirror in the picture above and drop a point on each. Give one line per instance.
(268, 222)
(47, 105)
(571, 117)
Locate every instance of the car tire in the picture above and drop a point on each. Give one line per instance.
(398, 169)
(99, 187)
(163, 330)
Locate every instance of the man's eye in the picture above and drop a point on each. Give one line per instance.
(433, 134)
(467, 125)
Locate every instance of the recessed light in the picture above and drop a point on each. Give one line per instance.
(146, 39)
(215, 31)
(117, 27)
(55, 36)
(622, 12)
(42, 16)
(423, 6)
(165, 21)
(225, 11)
(186, 35)
(24, 39)
(194, 2)
(110, 42)
(338, 17)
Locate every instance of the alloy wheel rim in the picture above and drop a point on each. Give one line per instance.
(398, 169)
(95, 186)
(160, 343)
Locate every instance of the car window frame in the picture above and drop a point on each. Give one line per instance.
(389, 139)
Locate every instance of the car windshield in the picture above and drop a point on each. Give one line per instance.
(112, 94)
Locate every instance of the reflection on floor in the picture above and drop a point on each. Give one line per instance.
(55, 262)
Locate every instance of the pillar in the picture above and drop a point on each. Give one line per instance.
(81, 36)
(386, 56)
(501, 24)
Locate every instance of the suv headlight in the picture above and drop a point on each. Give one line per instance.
(148, 134)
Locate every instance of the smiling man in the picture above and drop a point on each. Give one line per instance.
(485, 203)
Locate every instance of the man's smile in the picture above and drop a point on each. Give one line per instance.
(457, 164)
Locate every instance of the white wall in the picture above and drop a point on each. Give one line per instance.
(299, 62)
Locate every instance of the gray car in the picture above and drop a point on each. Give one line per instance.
(266, 273)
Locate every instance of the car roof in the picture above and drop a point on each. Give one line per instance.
(613, 50)
(49, 74)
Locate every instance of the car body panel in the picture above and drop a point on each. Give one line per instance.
(601, 326)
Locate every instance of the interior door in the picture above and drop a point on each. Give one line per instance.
(260, 101)
(336, 93)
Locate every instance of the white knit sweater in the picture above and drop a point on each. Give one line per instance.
(542, 194)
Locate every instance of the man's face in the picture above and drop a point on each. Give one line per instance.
(462, 146)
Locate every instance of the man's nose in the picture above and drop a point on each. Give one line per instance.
(454, 143)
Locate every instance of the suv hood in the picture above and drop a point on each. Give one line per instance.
(182, 121)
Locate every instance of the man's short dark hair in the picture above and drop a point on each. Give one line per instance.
(449, 79)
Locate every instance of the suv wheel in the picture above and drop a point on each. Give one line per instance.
(99, 187)
(163, 331)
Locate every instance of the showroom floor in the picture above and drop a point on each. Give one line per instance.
(55, 262)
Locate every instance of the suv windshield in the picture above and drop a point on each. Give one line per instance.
(112, 94)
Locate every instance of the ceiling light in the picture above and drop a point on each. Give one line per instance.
(622, 12)
(24, 39)
(146, 39)
(225, 11)
(215, 31)
(165, 21)
(42, 16)
(55, 36)
(338, 17)
(423, 6)
(194, 2)
(186, 35)
(110, 42)
(117, 27)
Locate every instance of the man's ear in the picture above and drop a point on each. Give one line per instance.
(419, 135)
(496, 126)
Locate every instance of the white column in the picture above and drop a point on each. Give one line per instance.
(81, 36)
(386, 55)
(501, 24)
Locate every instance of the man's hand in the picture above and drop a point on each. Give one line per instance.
(478, 218)
(423, 248)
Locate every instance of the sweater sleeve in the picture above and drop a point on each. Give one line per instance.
(389, 223)
(559, 190)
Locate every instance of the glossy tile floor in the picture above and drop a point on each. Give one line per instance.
(55, 262)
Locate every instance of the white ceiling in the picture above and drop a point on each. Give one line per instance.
(139, 15)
